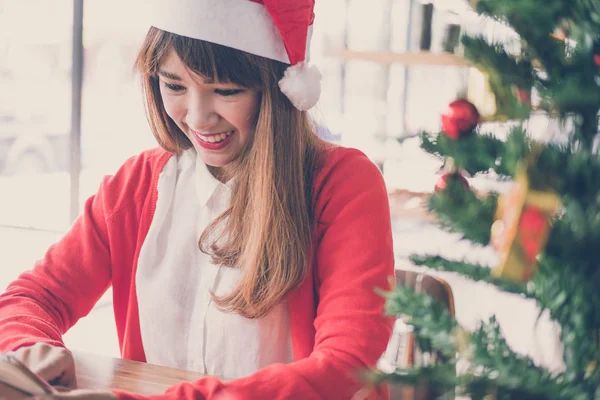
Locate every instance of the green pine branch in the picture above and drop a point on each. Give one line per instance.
(494, 367)
(575, 237)
(506, 74)
(475, 272)
(461, 211)
(571, 171)
(573, 93)
(571, 298)
(476, 387)
(480, 153)
(525, 15)
(533, 22)
(491, 351)
(587, 15)
(441, 377)
(564, 76)
(433, 324)
(474, 154)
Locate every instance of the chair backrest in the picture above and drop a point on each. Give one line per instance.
(402, 347)
(423, 282)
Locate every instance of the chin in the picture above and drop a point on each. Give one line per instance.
(216, 165)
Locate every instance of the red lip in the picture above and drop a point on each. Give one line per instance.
(213, 146)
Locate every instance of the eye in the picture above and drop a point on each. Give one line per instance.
(228, 92)
(174, 88)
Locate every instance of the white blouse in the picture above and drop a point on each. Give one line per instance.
(180, 325)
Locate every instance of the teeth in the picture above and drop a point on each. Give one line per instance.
(216, 138)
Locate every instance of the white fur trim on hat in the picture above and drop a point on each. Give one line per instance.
(302, 85)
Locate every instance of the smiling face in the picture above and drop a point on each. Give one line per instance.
(217, 117)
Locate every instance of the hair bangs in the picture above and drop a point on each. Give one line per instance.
(220, 63)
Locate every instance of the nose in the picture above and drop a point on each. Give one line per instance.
(201, 113)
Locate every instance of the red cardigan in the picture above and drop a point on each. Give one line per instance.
(337, 322)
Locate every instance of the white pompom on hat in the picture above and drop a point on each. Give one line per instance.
(275, 29)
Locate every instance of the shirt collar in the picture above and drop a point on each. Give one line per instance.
(206, 184)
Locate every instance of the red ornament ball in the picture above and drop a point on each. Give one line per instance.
(597, 60)
(445, 179)
(460, 119)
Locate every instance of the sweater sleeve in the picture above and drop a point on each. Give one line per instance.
(354, 256)
(43, 303)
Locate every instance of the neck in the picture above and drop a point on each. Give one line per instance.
(223, 174)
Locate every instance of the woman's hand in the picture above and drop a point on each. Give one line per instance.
(53, 364)
(7, 392)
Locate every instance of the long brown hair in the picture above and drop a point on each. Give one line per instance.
(267, 230)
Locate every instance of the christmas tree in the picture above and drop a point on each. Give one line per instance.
(545, 228)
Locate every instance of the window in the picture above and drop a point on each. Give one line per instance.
(35, 105)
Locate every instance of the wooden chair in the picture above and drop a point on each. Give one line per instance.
(439, 289)
(434, 286)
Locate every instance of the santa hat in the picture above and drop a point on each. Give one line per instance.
(275, 29)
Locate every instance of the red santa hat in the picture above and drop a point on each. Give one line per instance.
(275, 29)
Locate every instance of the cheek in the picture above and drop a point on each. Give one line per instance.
(247, 114)
(174, 108)
(246, 120)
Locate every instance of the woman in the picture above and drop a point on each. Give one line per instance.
(244, 247)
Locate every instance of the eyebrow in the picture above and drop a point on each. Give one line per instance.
(175, 77)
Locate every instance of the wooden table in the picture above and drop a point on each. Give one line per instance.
(98, 372)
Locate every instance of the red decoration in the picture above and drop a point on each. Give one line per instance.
(523, 95)
(460, 119)
(533, 227)
(597, 60)
(444, 180)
